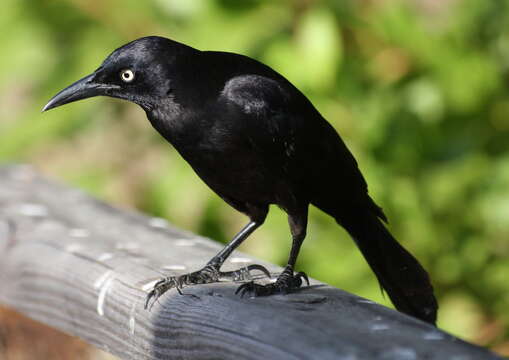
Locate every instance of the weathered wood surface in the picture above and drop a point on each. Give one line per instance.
(83, 267)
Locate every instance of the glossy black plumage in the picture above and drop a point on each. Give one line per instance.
(256, 140)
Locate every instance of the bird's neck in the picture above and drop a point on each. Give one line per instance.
(165, 117)
(176, 124)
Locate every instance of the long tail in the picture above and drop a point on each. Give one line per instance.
(399, 273)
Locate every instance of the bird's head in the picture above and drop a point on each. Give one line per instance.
(141, 71)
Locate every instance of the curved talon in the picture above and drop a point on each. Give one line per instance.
(263, 269)
(154, 293)
(244, 273)
(241, 288)
(246, 287)
(147, 299)
(160, 288)
(304, 276)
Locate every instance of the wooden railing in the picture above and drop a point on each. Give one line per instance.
(84, 267)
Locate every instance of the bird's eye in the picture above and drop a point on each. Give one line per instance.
(127, 75)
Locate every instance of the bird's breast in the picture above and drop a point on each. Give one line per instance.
(225, 159)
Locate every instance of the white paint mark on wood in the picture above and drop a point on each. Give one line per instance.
(105, 256)
(127, 246)
(132, 325)
(32, 210)
(132, 319)
(158, 222)
(74, 247)
(174, 267)
(185, 242)
(79, 233)
(101, 279)
(103, 283)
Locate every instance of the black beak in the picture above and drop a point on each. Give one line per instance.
(81, 89)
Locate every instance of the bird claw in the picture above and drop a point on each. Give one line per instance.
(244, 273)
(160, 288)
(209, 274)
(285, 283)
(302, 275)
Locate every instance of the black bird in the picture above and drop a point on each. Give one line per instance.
(255, 140)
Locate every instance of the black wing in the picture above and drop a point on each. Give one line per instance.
(291, 138)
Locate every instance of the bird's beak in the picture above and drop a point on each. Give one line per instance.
(81, 89)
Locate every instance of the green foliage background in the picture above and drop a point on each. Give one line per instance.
(417, 89)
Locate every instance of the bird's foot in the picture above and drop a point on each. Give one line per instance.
(209, 274)
(285, 283)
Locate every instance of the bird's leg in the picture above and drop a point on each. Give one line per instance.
(287, 280)
(210, 273)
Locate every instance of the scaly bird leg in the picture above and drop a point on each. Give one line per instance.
(287, 280)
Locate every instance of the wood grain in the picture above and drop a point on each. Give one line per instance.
(84, 267)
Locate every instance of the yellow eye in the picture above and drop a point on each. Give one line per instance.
(127, 75)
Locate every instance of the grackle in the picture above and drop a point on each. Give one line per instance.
(255, 140)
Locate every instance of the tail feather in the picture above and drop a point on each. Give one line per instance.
(399, 273)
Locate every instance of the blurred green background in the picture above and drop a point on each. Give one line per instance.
(419, 90)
